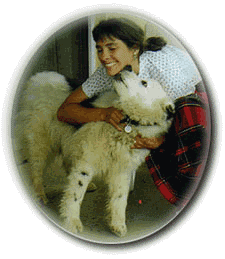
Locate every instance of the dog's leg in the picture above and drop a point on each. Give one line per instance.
(38, 148)
(118, 193)
(79, 179)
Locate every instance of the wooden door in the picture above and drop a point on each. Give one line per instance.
(66, 52)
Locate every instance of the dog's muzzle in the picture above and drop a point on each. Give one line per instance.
(119, 77)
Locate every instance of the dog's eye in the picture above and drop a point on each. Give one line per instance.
(144, 83)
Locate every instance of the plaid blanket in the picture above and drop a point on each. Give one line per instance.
(177, 165)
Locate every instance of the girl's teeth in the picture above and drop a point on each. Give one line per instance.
(109, 65)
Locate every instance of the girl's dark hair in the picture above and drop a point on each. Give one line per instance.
(122, 29)
(155, 43)
(127, 31)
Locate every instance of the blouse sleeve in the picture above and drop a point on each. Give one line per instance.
(98, 82)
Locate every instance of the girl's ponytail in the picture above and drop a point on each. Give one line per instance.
(155, 43)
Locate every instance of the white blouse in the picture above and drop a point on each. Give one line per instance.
(171, 67)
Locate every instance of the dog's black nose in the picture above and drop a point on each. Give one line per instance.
(118, 77)
(128, 68)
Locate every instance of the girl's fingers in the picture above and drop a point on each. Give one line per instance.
(114, 117)
(149, 143)
(116, 125)
(137, 143)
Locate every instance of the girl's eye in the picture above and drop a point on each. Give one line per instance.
(99, 50)
(112, 49)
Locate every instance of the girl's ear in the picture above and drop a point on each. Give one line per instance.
(136, 50)
(136, 47)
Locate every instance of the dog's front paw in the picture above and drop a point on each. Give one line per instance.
(119, 229)
(73, 225)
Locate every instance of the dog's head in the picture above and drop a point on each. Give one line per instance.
(143, 100)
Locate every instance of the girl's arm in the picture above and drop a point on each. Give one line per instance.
(71, 111)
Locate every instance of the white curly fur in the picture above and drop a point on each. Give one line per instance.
(97, 148)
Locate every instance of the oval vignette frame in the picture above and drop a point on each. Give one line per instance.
(20, 76)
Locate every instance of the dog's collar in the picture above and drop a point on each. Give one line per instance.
(129, 123)
(128, 120)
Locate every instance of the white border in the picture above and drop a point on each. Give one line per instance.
(11, 94)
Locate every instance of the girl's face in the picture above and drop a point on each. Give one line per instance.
(115, 55)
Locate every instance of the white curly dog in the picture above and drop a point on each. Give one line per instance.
(97, 148)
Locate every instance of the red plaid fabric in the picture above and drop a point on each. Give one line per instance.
(177, 165)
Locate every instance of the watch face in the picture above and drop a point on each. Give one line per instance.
(90, 179)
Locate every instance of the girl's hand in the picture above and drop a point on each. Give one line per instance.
(114, 116)
(148, 143)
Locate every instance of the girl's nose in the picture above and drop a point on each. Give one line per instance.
(104, 55)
